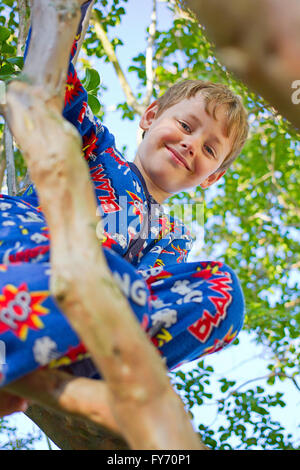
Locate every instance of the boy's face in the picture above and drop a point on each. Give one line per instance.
(183, 147)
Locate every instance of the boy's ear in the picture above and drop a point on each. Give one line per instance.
(149, 116)
(212, 179)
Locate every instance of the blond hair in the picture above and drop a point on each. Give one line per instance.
(216, 94)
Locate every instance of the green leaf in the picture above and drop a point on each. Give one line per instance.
(4, 33)
(92, 80)
(18, 61)
(94, 104)
(260, 410)
(8, 49)
(7, 69)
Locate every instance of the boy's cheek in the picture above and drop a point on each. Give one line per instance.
(165, 132)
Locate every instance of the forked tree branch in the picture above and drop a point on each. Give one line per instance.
(81, 282)
(65, 394)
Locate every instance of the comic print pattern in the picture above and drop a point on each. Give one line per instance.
(32, 327)
(187, 309)
(196, 310)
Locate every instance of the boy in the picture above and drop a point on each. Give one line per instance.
(191, 135)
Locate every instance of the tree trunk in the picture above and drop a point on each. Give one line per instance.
(81, 282)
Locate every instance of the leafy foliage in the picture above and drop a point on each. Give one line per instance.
(10, 63)
(12, 439)
(91, 83)
(246, 415)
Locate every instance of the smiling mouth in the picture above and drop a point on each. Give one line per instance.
(178, 158)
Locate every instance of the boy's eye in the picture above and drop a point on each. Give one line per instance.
(209, 150)
(185, 126)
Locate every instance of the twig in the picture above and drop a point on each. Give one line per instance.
(109, 50)
(48, 442)
(149, 56)
(10, 161)
(23, 25)
(2, 165)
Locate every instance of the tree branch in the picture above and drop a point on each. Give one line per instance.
(10, 161)
(2, 164)
(73, 433)
(23, 25)
(81, 282)
(109, 50)
(149, 56)
(72, 396)
(259, 41)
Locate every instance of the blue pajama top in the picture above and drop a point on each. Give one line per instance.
(188, 309)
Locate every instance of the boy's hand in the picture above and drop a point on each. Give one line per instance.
(11, 403)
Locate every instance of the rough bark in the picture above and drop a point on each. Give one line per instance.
(258, 40)
(64, 393)
(73, 433)
(81, 282)
(73, 411)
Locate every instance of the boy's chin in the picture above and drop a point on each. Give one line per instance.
(168, 186)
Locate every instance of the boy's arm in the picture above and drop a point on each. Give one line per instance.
(95, 137)
(76, 109)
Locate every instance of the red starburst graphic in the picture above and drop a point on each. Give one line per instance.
(76, 352)
(21, 310)
(73, 87)
(89, 145)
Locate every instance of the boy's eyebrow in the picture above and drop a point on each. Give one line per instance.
(213, 137)
(195, 118)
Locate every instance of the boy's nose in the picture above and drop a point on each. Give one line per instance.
(188, 148)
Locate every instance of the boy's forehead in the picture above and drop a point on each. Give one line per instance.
(194, 103)
(198, 106)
